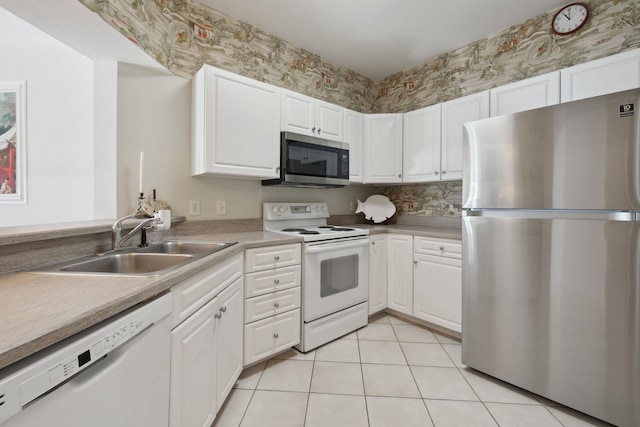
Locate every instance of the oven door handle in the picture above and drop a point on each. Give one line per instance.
(315, 248)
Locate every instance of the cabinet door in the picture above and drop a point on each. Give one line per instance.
(329, 121)
(298, 113)
(536, 92)
(193, 369)
(236, 125)
(606, 75)
(354, 136)
(400, 272)
(455, 113)
(437, 284)
(383, 148)
(378, 273)
(421, 145)
(229, 355)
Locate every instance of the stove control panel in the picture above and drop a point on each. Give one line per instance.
(280, 211)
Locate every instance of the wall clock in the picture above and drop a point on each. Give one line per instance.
(570, 19)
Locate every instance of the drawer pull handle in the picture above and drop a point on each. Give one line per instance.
(218, 315)
(442, 248)
(276, 335)
(276, 281)
(277, 257)
(223, 309)
(276, 304)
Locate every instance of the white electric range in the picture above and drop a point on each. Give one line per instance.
(335, 278)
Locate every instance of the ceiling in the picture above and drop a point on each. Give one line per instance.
(377, 38)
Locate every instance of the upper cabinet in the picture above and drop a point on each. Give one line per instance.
(421, 145)
(236, 125)
(383, 148)
(606, 75)
(454, 114)
(354, 136)
(536, 92)
(305, 115)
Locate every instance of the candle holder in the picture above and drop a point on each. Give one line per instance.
(140, 213)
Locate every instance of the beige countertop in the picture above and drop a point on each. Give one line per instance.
(41, 309)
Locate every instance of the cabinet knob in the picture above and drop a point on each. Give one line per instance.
(277, 257)
(218, 315)
(223, 309)
(276, 281)
(276, 304)
(319, 130)
(436, 172)
(373, 243)
(276, 335)
(442, 248)
(415, 262)
(399, 175)
(443, 172)
(313, 129)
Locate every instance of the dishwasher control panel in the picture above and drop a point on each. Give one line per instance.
(23, 384)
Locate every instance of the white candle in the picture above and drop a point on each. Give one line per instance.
(141, 168)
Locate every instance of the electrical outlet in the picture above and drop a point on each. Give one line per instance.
(221, 207)
(194, 207)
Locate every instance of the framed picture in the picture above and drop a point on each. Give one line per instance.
(13, 141)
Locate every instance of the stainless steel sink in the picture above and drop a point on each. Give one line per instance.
(129, 263)
(152, 260)
(184, 247)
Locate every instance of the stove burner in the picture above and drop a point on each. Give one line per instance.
(309, 232)
(341, 229)
(325, 226)
(294, 230)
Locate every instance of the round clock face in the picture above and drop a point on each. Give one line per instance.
(570, 18)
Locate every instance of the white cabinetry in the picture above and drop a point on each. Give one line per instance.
(454, 114)
(206, 343)
(437, 282)
(308, 116)
(377, 273)
(236, 125)
(421, 145)
(354, 136)
(272, 304)
(606, 75)
(383, 148)
(536, 92)
(400, 272)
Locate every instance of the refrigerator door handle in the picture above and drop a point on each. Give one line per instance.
(604, 215)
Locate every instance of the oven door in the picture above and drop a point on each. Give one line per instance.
(336, 276)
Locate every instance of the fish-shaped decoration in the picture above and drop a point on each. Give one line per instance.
(377, 208)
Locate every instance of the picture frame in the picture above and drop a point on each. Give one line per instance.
(13, 142)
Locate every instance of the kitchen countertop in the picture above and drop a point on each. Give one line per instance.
(41, 309)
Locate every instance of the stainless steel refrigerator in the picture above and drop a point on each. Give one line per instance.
(551, 253)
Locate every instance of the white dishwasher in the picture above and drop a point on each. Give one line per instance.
(114, 374)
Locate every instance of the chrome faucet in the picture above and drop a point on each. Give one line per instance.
(116, 230)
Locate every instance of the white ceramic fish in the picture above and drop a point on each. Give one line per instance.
(377, 208)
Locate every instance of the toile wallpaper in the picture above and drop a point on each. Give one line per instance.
(184, 35)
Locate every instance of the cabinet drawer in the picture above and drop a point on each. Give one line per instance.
(270, 304)
(271, 335)
(196, 291)
(259, 259)
(438, 247)
(264, 282)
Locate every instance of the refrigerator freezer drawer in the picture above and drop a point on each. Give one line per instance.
(553, 306)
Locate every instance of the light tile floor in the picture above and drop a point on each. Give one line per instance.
(390, 373)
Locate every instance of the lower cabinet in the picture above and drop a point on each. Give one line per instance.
(377, 273)
(400, 272)
(206, 347)
(437, 282)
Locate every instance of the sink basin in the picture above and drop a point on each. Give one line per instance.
(152, 260)
(183, 247)
(128, 263)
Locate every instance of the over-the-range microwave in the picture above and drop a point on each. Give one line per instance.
(308, 161)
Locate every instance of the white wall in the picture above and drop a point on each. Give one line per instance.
(154, 115)
(60, 125)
